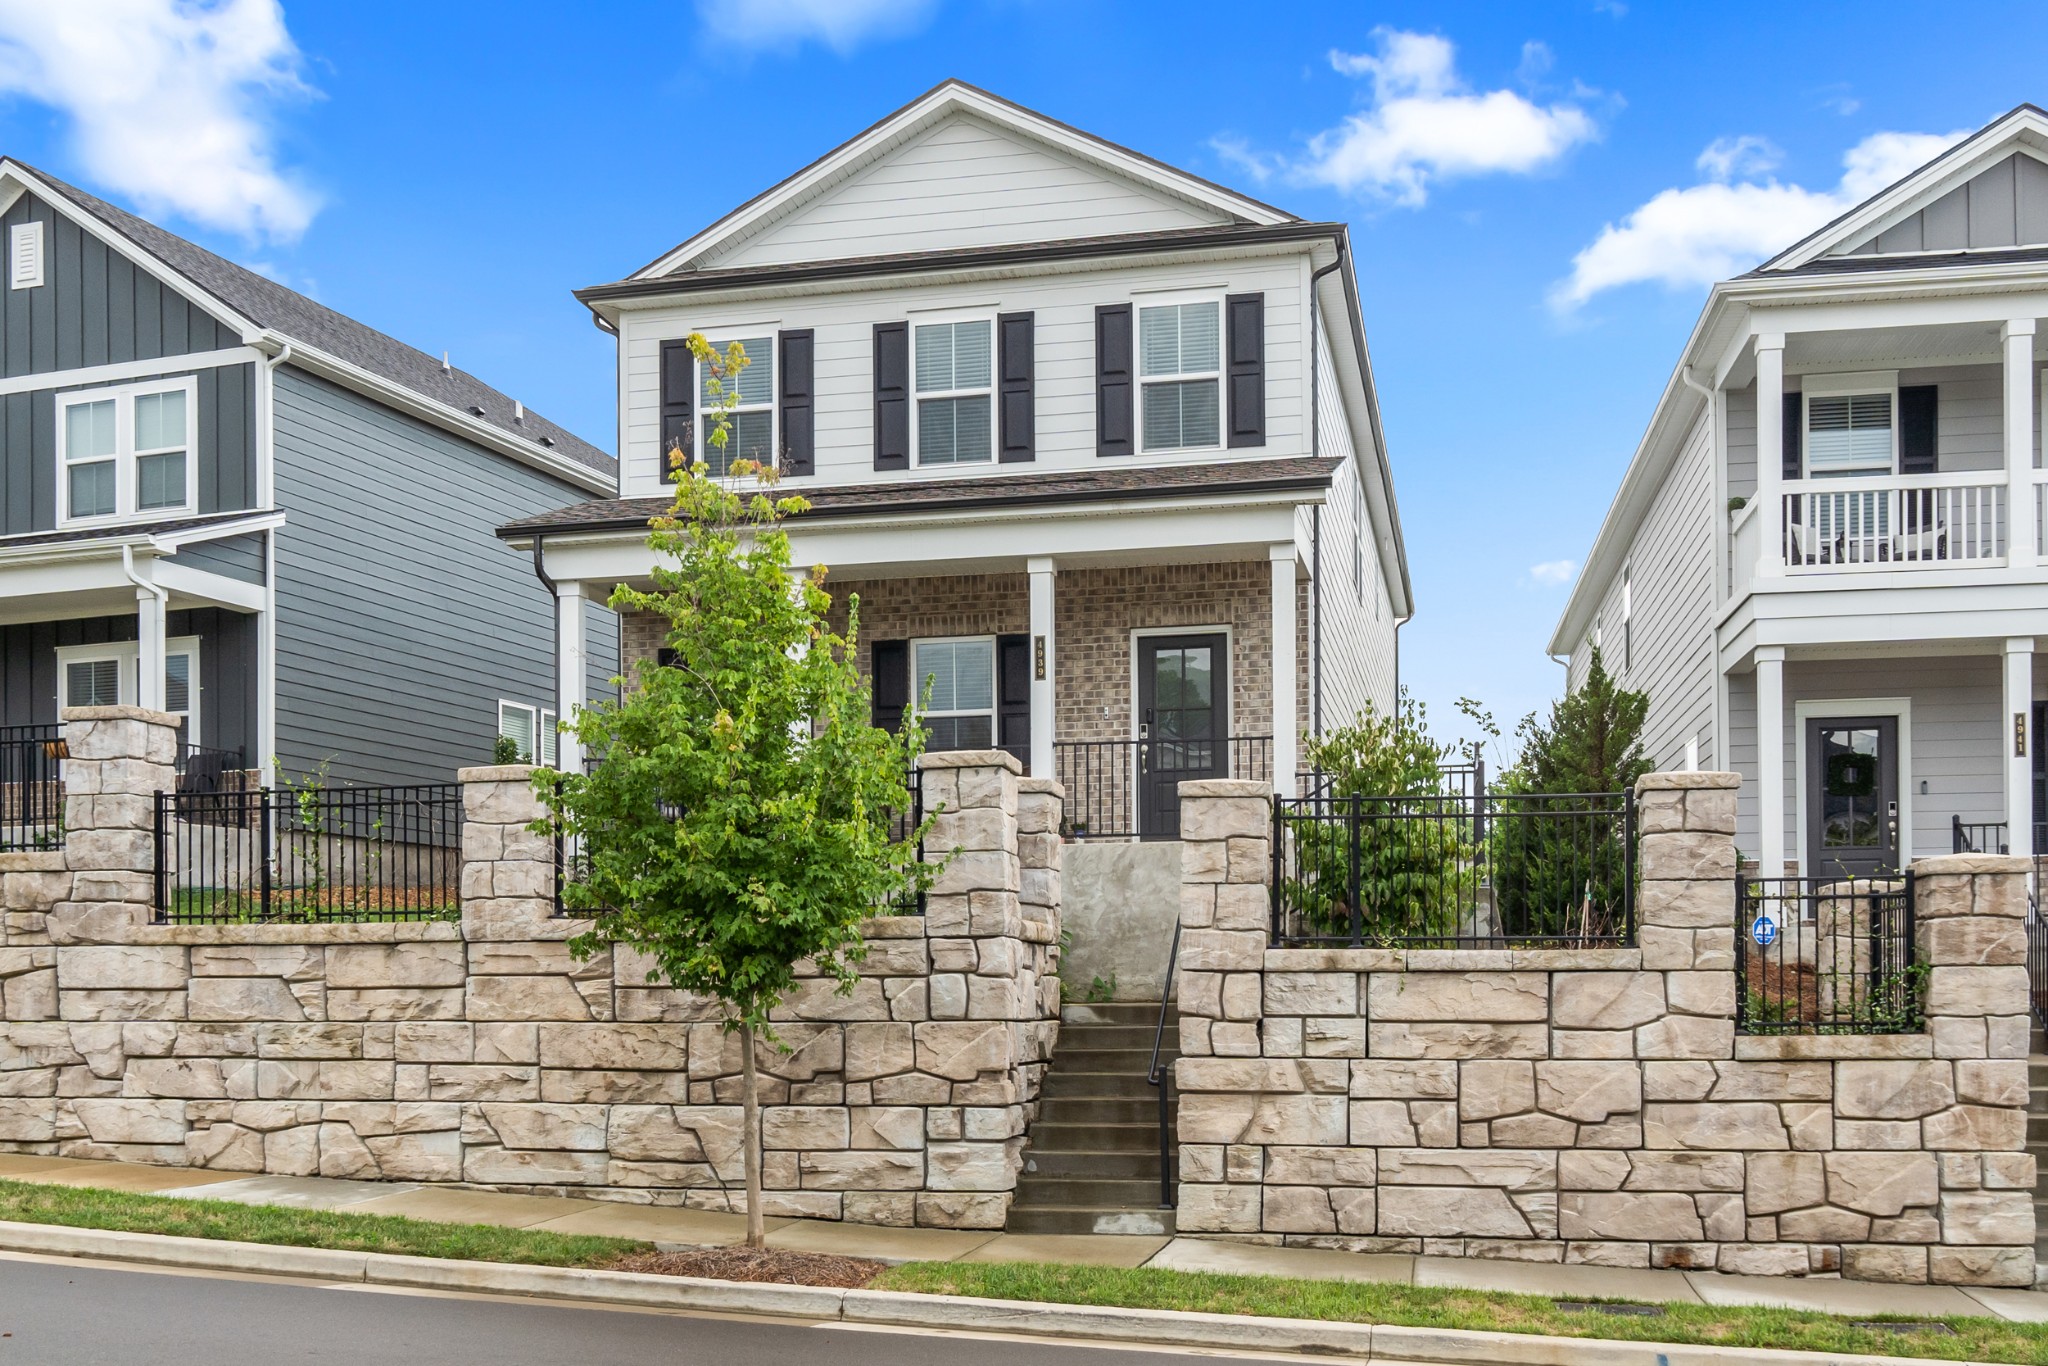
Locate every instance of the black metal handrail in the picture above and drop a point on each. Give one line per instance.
(1105, 779)
(1977, 837)
(31, 787)
(1160, 1079)
(1826, 955)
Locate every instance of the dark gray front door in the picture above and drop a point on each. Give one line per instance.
(1181, 709)
(1852, 796)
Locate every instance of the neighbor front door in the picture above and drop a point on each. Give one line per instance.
(1852, 796)
(1181, 721)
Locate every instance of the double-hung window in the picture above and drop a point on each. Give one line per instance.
(750, 425)
(532, 729)
(110, 676)
(954, 372)
(1849, 434)
(1180, 356)
(126, 452)
(961, 710)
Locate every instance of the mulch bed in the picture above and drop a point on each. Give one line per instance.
(775, 1266)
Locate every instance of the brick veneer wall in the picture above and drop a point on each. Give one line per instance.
(481, 1053)
(1597, 1105)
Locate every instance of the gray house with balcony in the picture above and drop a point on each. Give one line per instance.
(221, 499)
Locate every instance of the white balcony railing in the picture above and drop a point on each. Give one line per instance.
(1895, 522)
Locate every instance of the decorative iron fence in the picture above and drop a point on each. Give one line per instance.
(31, 787)
(2037, 935)
(1826, 956)
(315, 855)
(1468, 869)
(1976, 837)
(1130, 789)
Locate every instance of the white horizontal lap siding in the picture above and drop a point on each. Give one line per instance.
(963, 184)
(1741, 406)
(1969, 415)
(1358, 642)
(1063, 308)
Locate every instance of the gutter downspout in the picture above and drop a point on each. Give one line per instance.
(540, 571)
(1315, 448)
(163, 607)
(266, 627)
(1722, 574)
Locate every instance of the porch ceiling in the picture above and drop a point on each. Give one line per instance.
(1888, 348)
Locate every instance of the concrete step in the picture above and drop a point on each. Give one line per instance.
(1036, 1189)
(1063, 1136)
(1110, 1036)
(1108, 1085)
(1084, 1059)
(1109, 1110)
(1076, 1219)
(1094, 1163)
(1115, 1013)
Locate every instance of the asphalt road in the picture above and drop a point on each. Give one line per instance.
(69, 1313)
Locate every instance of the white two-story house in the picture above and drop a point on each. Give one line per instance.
(1094, 440)
(1826, 564)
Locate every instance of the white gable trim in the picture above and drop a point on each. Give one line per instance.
(2024, 129)
(924, 112)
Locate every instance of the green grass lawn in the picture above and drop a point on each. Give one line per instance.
(1975, 1339)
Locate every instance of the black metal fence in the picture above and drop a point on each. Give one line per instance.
(1455, 869)
(309, 855)
(1129, 789)
(1826, 956)
(31, 787)
(1976, 837)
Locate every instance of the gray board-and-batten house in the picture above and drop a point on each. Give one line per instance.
(225, 500)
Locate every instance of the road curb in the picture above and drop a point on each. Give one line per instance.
(1356, 1341)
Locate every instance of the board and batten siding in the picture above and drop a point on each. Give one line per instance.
(1670, 654)
(964, 183)
(402, 619)
(1356, 611)
(1957, 723)
(1063, 306)
(227, 669)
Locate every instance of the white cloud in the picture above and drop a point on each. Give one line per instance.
(1690, 237)
(1424, 125)
(169, 101)
(841, 25)
(1553, 573)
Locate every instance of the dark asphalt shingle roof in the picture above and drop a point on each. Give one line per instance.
(291, 314)
(941, 495)
(1918, 260)
(124, 529)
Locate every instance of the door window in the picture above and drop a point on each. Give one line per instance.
(1183, 707)
(1851, 797)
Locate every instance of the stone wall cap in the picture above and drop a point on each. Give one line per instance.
(121, 713)
(498, 773)
(1960, 864)
(970, 758)
(1050, 787)
(1225, 787)
(1688, 782)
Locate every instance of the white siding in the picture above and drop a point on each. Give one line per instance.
(1667, 649)
(1741, 442)
(1956, 710)
(1064, 308)
(1357, 612)
(963, 184)
(1969, 415)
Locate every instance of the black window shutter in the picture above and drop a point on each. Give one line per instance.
(892, 396)
(1016, 369)
(889, 679)
(1013, 697)
(797, 416)
(1918, 405)
(1246, 372)
(1795, 430)
(678, 391)
(1114, 381)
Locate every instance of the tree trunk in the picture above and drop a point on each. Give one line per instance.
(750, 1121)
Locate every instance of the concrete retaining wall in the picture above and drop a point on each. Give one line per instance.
(1120, 902)
(1598, 1105)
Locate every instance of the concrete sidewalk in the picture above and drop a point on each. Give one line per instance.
(663, 1224)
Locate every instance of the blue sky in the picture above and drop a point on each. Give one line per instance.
(1537, 192)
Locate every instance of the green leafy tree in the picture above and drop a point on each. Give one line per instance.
(737, 819)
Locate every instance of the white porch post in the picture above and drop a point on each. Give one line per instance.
(2019, 743)
(1770, 758)
(571, 667)
(2021, 546)
(1770, 457)
(1042, 761)
(149, 653)
(1286, 734)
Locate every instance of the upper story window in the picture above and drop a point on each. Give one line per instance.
(961, 673)
(954, 374)
(25, 256)
(1849, 434)
(1180, 376)
(127, 452)
(750, 425)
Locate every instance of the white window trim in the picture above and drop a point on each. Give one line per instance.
(128, 654)
(1845, 384)
(125, 488)
(700, 410)
(543, 743)
(945, 318)
(995, 664)
(1168, 299)
(27, 241)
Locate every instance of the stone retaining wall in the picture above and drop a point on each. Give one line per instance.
(1598, 1105)
(480, 1052)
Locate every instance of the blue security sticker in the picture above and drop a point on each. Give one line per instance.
(1763, 930)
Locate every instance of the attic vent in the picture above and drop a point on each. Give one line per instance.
(445, 368)
(476, 409)
(547, 441)
(25, 256)
(518, 411)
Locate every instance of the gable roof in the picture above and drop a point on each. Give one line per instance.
(947, 99)
(309, 326)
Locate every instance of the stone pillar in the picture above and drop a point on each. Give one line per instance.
(1970, 932)
(119, 759)
(1040, 807)
(508, 871)
(1685, 910)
